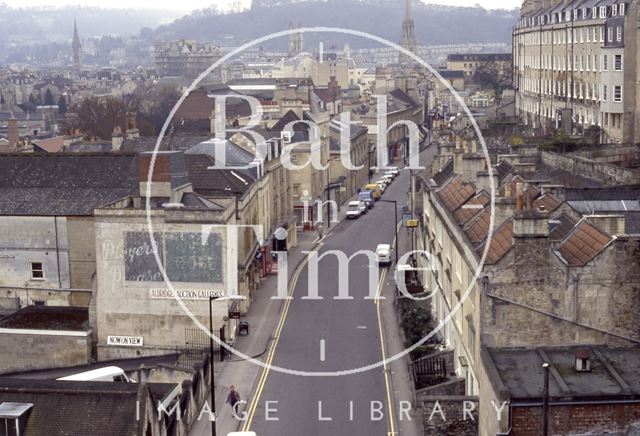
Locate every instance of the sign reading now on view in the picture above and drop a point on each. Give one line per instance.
(125, 341)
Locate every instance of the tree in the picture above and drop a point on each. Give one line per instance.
(48, 98)
(62, 105)
(494, 74)
(97, 117)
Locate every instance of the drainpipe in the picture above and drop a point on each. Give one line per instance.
(545, 401)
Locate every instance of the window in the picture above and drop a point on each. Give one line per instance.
(614, 10)
(619, 33)
(621, 9)
(604, 92)
(37, 271)
(594, 12)
(602, 34)
(605, 59)
(617, 93)
(610, 34)
(603, 12)
(617, 64)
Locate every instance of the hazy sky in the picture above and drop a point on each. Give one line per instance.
(186, 5)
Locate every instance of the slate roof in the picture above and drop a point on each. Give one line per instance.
(583, 244)
(64, 184)
(216, 182)
(444, 174)
(503, 168)
(48, 318)
(613, 372)
(561, 226)
(68, 408)
(548, 201)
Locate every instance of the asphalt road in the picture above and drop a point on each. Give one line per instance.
(349, 332)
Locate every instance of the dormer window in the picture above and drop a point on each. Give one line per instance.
(584, 13)
(583, 361)
(621, 9)
(603, 12)
(614, 10)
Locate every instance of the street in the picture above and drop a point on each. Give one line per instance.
(333, 335)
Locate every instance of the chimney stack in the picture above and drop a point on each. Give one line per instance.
(14, 135)
(519, 196)
(531, 223)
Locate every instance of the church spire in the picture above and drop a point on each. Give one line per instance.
(76, 46)
(408, 40)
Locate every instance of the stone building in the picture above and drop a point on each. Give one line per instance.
(575, 67)
(136, 309)
(186, 58)
(47, 203)
(549, 278)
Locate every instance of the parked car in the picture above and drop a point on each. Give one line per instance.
(354, 210)
(388, 178)
(375, 190)
(363, 207)
(393, 173)
(367, 197)
(382, 185)
(383, 254)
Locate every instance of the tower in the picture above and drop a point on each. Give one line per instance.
(76, 46)
(296, 41)
(408, 40)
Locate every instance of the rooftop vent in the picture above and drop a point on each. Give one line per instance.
(13, 418)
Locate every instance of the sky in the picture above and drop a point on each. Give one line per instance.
(188, 5)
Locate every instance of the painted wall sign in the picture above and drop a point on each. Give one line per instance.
(184, 294)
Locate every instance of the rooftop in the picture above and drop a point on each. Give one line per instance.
(48, 318)
(613, 372)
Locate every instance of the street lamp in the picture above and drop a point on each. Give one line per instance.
(212, 378)
(395, 223)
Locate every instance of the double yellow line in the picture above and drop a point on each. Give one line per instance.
(272, 351)
(384, 354)
(270, 356)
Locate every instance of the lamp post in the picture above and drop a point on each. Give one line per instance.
(395, 223)
(212, 377)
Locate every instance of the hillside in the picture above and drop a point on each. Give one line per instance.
(434, 24)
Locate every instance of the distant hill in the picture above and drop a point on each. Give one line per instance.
(434, 24)
(40, 25)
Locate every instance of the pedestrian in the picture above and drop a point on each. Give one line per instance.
(233, 398)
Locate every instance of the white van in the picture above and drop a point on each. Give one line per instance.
(107, 374)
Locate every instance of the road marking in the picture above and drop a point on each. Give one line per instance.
(361, 327)
(322, 350)
(276, 338)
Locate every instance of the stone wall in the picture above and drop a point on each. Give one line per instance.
(82, 251)
(593, 304)
(39, 349)
(443, 415)
(603, 172)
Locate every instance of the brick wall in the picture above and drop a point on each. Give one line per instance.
(575, 419)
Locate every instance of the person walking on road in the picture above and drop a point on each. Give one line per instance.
(233, 398)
